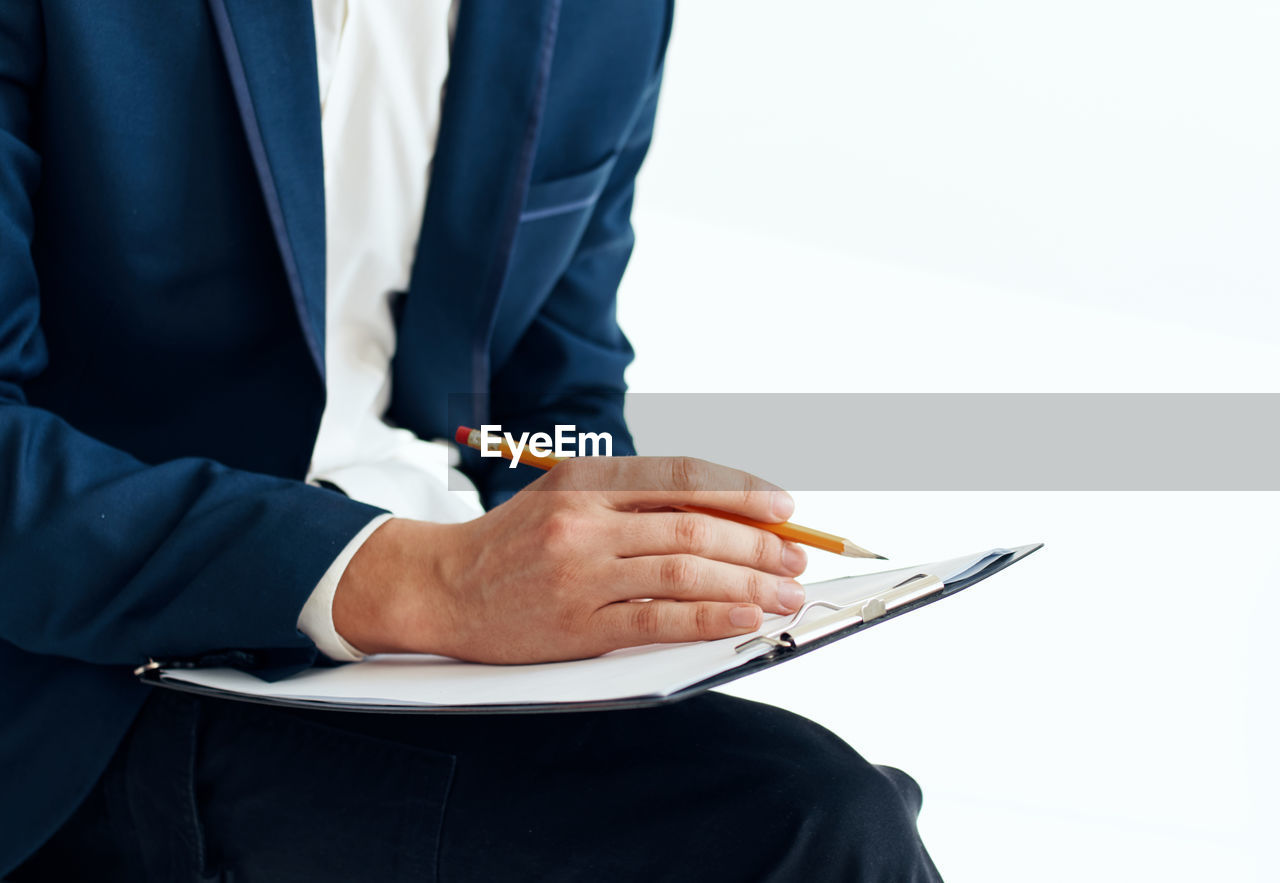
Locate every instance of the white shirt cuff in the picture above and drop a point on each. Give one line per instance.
(316, 619)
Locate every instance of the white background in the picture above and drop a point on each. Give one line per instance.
(1000, 196)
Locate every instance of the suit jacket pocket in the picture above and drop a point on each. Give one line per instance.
(567, 195)
(555, 217)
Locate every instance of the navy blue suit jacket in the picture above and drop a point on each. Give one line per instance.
(162, 325)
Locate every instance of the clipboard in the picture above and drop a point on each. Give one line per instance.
(817, 624)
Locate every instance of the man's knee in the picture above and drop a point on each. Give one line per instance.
(840, 817)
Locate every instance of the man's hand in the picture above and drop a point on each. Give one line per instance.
(568, 569)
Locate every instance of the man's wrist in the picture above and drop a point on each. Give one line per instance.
(316, 617)
(381, 603)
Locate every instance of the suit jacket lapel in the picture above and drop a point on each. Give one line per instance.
(270, 55)
(494, 96)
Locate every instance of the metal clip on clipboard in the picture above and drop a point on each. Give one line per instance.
(864, 610)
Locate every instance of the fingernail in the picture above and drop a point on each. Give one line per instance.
(794, 558)
(783, 505)
(790, 595)
(745, 617)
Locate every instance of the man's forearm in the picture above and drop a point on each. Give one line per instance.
(110, 560)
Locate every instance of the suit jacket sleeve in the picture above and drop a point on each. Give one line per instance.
(105, 558)
(574, 348)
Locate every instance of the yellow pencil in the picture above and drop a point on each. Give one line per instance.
(794, 533)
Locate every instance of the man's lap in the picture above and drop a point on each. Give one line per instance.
(709, 788)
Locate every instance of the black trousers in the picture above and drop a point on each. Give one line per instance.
(712, 788)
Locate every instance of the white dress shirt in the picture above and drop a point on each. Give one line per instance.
(381, 66)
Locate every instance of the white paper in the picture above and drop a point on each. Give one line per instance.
(654, 670)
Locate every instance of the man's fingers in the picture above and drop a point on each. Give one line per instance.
(630, 623)
(690, 533)
(630, 483)
(690, 578)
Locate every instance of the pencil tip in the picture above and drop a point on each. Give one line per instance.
(854, 551)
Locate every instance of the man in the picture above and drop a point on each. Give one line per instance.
(230, 321)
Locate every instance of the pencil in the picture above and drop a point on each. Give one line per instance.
(787, 530)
